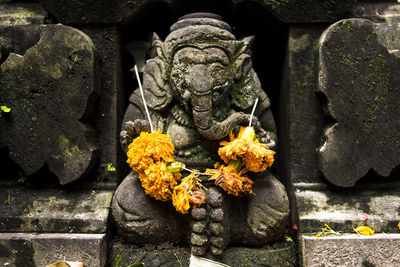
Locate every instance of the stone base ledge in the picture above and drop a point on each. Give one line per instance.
(343, 210)
(23, 249)
(24, 210)
(350, 250)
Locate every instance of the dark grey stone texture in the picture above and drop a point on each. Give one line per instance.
(361, 87)
(142, 219)
(31, 250)
(112, 12)
(54, 210)
(302, 119)
(199, 213)
(165, 255)
(107, 41)
(50, 88)
(90, 12)
(243, 257)
(300, 11)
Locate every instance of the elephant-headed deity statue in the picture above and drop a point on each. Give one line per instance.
(199, 87)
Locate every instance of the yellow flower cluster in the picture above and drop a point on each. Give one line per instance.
(232, 182)
(158, 182)
(256, 157)
(148, 155)
(149, 148)
(244, 150)
(188, 192)
(151, 155)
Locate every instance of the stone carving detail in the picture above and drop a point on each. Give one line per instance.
(361, 86)
(199, 86)
(49, 89)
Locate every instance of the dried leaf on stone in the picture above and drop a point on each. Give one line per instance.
(364, 230)
(5, 109)
(327, 230)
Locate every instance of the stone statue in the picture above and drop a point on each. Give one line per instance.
(199, 86)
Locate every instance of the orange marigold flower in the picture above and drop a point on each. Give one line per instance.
(256, 157)
(181, 200)
(158, 182)
(186, 193)
(231, 181)
(149, 148)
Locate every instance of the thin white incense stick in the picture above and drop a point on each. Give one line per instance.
(144, 100)
(252, 112)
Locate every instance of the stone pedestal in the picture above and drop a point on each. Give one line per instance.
(19, 249)
(343, 209)
(54, 210)
(241, 257)
(351, 250)
(42, 226)
(123, 254)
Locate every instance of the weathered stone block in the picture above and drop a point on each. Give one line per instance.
(18, 249)
(50, 89)
(377, 12)
(297, 11)
(361, 86)
(343, 210)
(351, 250)
(241, 257)
(21, 14)
(54, 211)
(122, 254)
(108, 114)
(301, 121)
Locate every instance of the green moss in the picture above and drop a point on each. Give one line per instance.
(65, 147)
(346, 25)
(379, 80)
(379, 71)
(275, 5)
(117, 260)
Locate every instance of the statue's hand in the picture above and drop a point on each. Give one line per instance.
(133, 130)
(265, 137)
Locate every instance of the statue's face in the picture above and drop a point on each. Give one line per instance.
(198, 71)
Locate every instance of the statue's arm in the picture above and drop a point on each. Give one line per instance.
(134, 121)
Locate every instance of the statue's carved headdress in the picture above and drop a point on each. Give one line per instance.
(197, 30)
(200, 29)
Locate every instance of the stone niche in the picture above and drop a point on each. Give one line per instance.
(329, 69)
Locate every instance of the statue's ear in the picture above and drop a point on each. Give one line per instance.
(244, 46)
(157, 47)
(246, 83)
(157, 91)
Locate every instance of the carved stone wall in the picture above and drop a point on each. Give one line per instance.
(330, 69)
